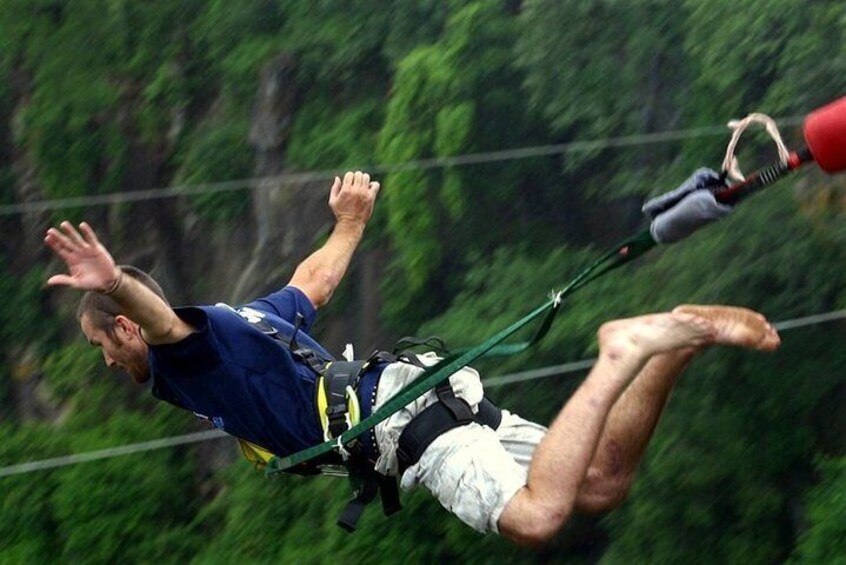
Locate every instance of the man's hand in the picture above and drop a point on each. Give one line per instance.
(352, 203)
(89, 263)
(352, 200)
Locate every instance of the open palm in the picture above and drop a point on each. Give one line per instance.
(90, 266)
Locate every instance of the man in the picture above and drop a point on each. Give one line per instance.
(521, 480)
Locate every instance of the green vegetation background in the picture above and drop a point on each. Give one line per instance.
(747, 466)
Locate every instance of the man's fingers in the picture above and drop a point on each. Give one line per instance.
(56, 246)
(358, 180)
(58, 241)
(71, 233)
(60, 280)
(61, 238)
(88, 234)
(374, 186)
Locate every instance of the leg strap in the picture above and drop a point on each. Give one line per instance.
(367, 483)
(438, 419)
(489, 414)
(337, 388)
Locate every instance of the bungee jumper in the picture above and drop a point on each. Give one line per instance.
(255, 372)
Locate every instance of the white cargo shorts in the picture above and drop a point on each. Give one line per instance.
(472, 470)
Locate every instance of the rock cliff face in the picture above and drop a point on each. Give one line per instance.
(291, 217)
(285, 214)
(28, 395)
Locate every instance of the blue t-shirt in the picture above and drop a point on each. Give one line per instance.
(242, 380)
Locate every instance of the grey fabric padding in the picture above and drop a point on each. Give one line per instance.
(700, 179)
(698, 208)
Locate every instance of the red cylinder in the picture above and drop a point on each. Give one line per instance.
(825, 135)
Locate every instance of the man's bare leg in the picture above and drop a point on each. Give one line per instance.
(632, 420)
(628, 429)
(561, 460)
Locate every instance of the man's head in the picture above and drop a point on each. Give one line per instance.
(118, 337)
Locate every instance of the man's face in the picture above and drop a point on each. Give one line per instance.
(124, 350)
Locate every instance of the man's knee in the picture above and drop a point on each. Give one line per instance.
(527, 522)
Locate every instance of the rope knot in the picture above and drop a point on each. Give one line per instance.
(556, 296)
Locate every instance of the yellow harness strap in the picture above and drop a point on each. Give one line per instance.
(256, 455)
(259, 456)
(353, 408)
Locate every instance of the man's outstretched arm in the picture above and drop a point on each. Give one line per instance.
(351, 201)
(91, 268)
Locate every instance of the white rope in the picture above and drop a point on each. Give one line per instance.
(730, 164)
(266, 183)
(492, 382)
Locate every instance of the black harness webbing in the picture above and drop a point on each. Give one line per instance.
(366, 482)
(437, 419)
(367, 486)
(337, 378)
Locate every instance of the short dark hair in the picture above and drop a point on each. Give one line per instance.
(102, 309)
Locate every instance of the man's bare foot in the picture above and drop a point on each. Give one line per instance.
(736, 326)
(640, 338)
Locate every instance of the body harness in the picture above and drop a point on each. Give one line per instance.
(339, 383)
(703, 198)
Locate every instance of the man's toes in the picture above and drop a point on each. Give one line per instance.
(771, 341)
(737, 326)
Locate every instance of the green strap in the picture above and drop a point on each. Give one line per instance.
(624, 252)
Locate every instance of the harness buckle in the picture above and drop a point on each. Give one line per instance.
(337, 402)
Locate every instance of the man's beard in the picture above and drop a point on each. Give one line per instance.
(139, 374)
(141, 378)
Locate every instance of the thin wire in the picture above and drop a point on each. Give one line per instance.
(542, 373)
(110, 452)
(492, 382)
(265, 183)
(810, 320)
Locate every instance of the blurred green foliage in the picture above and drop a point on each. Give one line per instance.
(25, 319)
(746, 466)
(824, 540)
(218, 153)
